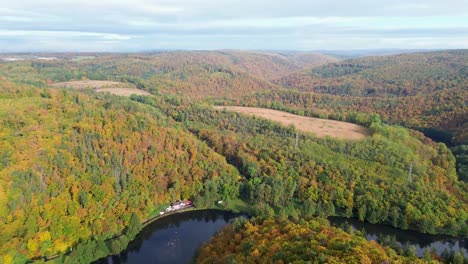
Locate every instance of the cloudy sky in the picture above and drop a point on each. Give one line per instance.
(139, 25)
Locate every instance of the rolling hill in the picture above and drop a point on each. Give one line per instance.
(78, 167)
(198, 74)
(385, 76)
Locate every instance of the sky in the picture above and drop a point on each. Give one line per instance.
(146, 25)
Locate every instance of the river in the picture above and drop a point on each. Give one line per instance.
(418, 240)
(176, 238)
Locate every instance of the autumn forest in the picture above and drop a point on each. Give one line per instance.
(94, 145)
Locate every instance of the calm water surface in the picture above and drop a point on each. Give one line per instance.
(420, 241)
(176, 238)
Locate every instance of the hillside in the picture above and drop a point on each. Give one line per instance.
(274, 65)
(394, 76)
(79, 167)
(368, 178)
(317, 126)
(283, 241)
(196, 74)
(442, 115)
(425, 91)
(75, 168)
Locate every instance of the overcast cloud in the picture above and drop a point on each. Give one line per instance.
(139, 25)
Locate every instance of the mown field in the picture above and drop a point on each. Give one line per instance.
(117, 88)
(317, 126)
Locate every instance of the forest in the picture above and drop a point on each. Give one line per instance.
(369, 178)
(80, 171)
(284, 241)
(77, 167)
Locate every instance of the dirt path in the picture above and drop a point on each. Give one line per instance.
(320, 127)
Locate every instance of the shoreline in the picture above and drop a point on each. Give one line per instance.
(246, 211)
(144, 224)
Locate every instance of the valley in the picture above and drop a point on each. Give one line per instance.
(290, 138)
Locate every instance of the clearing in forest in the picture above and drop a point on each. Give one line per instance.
(117, 88)
(320, 127)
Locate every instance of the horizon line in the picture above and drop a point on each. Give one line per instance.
(257, 50)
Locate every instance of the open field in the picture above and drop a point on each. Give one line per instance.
(123, 91)
(320, 127)
(117, 88)
(91, 84)
(83, 58)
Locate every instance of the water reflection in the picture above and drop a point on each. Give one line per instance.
(418, 240)
(174, 238)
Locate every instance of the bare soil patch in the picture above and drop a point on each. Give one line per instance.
(117, 88)
(320, 127)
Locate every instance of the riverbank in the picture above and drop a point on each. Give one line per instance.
(241, 207)
(143, 225)
(174, 238)
(170, 236)
(157, 217)
(237, 206)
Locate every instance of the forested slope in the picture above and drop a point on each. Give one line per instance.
(76, 167)
(396, 176)
(427, 91)
(397, 75)
(283, 241)
(442, 115)
(198, 74)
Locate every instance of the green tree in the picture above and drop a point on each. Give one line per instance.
(134, 226)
